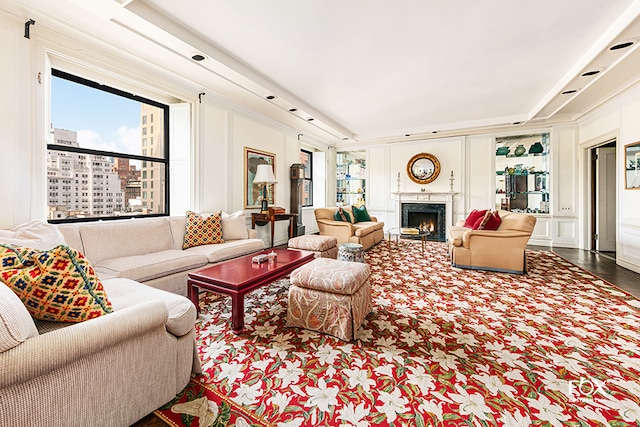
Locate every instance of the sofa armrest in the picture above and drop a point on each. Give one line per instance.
(470, 235)
(57, 349)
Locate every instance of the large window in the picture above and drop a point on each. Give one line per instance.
(306, 158)
(109, 152)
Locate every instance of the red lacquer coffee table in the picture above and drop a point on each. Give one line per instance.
(239, 276)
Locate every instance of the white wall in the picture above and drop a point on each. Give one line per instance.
(619, 117)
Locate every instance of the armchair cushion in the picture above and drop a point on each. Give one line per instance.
(360, 214)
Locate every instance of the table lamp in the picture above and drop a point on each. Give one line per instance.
(264, 176)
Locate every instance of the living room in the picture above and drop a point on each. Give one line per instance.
(221, 106)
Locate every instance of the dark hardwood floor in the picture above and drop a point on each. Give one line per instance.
(602, 265)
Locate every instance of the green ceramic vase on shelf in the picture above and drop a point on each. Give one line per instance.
(536, 148)
(520, 150)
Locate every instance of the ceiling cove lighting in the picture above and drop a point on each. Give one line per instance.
(622, 45)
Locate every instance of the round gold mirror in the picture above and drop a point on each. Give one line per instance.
(423, 168)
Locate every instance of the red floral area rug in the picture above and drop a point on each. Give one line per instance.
(443, 346)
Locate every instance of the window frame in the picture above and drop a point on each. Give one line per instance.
(308, 181)
(162, 160)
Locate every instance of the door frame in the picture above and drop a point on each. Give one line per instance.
(587, 218)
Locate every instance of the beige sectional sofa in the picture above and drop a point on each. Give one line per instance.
(117, 368)
(367, 233)
(149, 250)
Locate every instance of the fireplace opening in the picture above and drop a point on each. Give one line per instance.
(429, 216)
(423, 221)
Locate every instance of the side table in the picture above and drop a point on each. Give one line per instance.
(266, 218)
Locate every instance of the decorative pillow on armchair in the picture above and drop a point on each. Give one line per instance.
(360, 213)
(202, 230)
(58, 284)
(473, 217)
(490, 221)
(342, 215)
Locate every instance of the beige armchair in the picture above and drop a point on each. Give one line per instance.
(366, 233)
(500, 250)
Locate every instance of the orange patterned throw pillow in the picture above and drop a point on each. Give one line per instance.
(202, 230)
(57, 284)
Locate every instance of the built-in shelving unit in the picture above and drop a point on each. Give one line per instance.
(522, 173)
(350, 177)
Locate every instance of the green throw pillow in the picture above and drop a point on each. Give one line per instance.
(360, 214)
(342, 215)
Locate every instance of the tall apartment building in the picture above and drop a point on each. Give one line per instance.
(81, 185)
(152, 179)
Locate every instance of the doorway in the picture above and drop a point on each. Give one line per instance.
(603, 199)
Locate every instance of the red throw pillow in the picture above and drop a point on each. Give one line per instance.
(490, 221)
(473, 217)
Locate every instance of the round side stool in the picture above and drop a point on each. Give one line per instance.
(353, 252)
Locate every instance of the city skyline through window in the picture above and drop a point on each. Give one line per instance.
(106, 146)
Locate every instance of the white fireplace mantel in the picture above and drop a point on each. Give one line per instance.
(425, 197)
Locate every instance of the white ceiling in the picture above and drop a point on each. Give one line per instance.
(375, 70)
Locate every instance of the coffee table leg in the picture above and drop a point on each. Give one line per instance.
(237, 313)
(194, 292)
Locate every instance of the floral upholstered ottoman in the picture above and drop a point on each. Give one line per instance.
(330, 296)
(323, 246)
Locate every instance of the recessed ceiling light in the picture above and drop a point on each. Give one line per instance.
(270, 97)
(434, 131)
(567, 92)
(345, 139)
(293, 110)
(310, 119)
(622, 45)
(198, 57)
(590, 73)
(407, 134)
(517, 123)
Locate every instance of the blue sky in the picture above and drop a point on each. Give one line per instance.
(103, 121)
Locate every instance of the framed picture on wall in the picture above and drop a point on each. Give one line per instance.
(253, 192)
(632, 166)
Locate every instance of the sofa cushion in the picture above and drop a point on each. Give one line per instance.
(474, 215)
(364, 228)
(360, 214)
(202, 230)
(342, 215)
(227, 250)
(126, 293)
(37, 234)
(16, 324)
(110, 239)
(57, 284)
(234, 226)
(150, 266)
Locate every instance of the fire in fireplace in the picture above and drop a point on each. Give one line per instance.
(426, 216)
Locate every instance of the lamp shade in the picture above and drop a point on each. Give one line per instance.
(264, 175)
